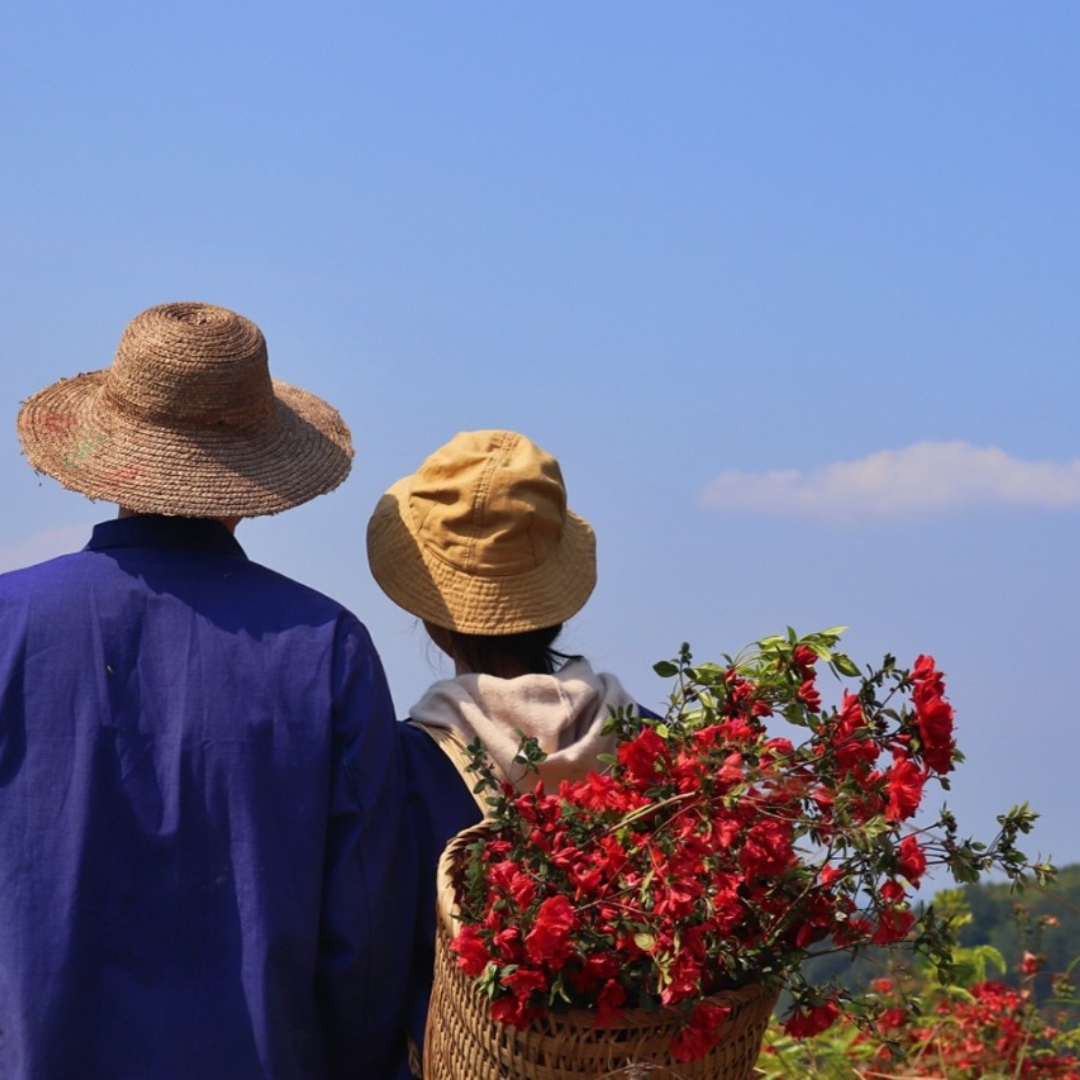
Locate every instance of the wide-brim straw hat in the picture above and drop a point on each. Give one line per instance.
(187, 421)
(480, 540)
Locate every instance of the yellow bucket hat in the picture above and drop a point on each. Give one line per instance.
(480, 540)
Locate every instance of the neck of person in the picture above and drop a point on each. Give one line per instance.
(230, 523)
(502, 663)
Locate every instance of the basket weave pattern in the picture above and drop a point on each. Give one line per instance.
(463, 1042)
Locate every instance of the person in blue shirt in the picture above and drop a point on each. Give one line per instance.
(479, 543)
(200, 783)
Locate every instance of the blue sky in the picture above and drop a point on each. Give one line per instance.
(789, 289)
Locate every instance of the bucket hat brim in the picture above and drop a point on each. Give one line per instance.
(432, 589)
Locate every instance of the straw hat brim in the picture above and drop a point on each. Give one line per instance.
(72, 433)
(427, 586)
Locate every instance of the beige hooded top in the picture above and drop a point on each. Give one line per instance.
(564, 712)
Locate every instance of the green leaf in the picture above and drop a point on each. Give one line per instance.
(845, 665)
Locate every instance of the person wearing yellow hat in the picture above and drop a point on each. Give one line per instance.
(480, 544)
(200, 779)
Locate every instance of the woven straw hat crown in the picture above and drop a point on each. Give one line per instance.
(187, 420)
(480, 540)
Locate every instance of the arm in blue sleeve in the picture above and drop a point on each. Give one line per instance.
(368, 904)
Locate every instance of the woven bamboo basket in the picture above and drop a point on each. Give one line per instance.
(463, 1042)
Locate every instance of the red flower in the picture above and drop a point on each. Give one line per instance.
(851, 741)
(472, 954)
(933, 714)
(586, 878)
(924, 668)
(1031, 963)
(599, 792)
(609, 1003)
(548, 942)
(829, 875)
(731, 771)
(912, 860)
(778, 748)
(701, 1034)
(850, 717)
(507, 942)
(905, 781)
(893, 1019)
(767, 849)
(892, 892)
(596, 969)
(810, 696)
(685, 973)
(523, 982)
(508, 877)
(893, 925)
(644, 756)
(513, 1010)
(805, 1023)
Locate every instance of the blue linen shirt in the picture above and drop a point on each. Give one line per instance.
(200, 802)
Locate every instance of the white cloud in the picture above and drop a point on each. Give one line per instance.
(43, 545)
(920, 480)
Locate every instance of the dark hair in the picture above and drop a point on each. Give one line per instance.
(504, 655)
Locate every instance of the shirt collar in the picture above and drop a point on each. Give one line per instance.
(154, 530)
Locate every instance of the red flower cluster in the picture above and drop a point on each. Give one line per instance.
(994, 1029)
(933, 715)
(712, 852)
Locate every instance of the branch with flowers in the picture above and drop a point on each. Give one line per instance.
(724, 843)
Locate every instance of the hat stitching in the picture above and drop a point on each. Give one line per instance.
(479, 503)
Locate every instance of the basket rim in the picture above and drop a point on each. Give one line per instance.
(463, 1041)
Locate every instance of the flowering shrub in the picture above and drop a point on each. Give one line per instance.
(713, 851)
(971, 1027)
(993, 1029)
